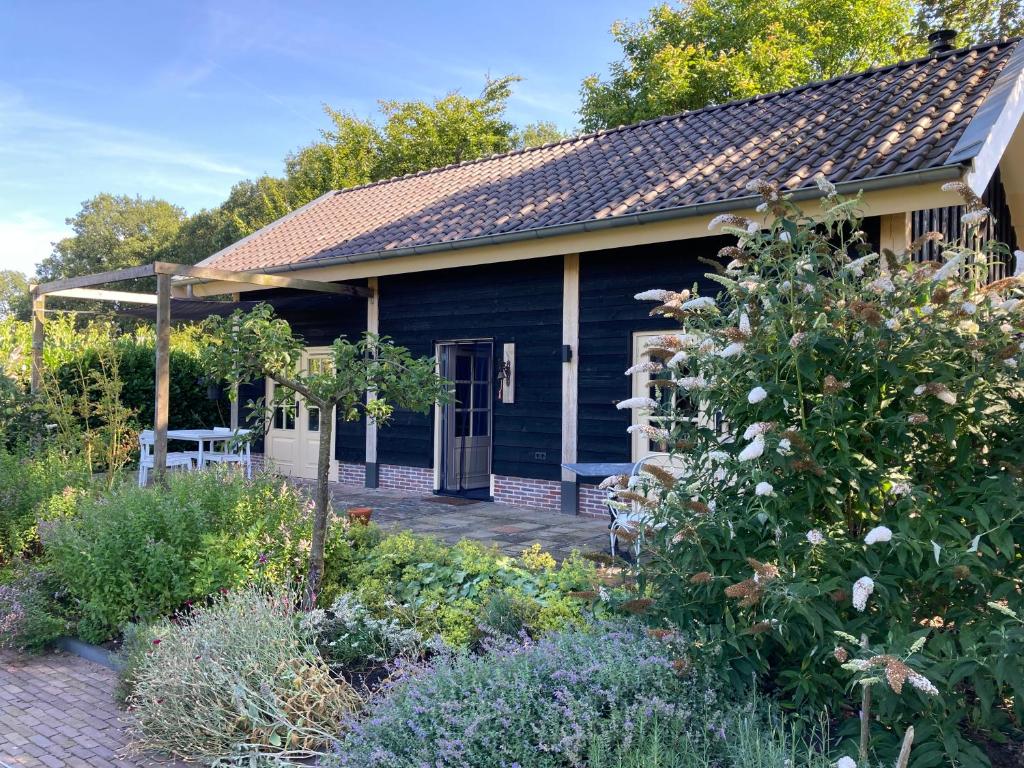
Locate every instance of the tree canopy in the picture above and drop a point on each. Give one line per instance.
(976, 20)
(712, 51)
(14, 300)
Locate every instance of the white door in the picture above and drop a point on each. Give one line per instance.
(293, 436)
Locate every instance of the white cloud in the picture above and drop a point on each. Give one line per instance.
(26, 239)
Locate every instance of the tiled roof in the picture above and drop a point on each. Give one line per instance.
(901, 118)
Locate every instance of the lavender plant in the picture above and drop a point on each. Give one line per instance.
(868, 475)
(529, 704)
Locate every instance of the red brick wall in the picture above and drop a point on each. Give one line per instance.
(414, 479)
(592, 502)
(351, 474)
(524, 492)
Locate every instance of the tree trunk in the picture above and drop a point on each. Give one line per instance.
(322, 512)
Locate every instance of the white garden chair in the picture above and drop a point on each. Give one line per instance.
(241, 455)
(638, 519)
(147, 442)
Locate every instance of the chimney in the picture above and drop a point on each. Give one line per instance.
(941, 40)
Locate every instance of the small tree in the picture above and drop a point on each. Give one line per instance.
(371, 377)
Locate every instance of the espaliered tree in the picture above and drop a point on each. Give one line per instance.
(371, 377)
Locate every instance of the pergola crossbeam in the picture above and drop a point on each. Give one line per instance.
(83, 287)
(95, 294)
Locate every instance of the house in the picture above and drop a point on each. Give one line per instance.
(518, 270)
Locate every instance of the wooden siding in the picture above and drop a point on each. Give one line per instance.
(319, 320)
(513, 302)
(609, 316)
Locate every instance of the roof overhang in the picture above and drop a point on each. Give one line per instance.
(896, 193)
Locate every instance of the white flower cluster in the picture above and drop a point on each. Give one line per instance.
(862, 589)
(878, 535)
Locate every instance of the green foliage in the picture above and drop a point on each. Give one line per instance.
(535, 705)
(349, 635)
(977, 21)
(457, 592)
(26, 484)
(234, 681)
(29, 617)
(112, 232)
(142, 553)
(713, 51)
(23, 417)
(869, 481)
(82, 358)
(14, 298)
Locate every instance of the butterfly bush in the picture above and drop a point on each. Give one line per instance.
(857, 466)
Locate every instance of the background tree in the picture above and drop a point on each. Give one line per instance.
(14, 301)
(248, 346)
(536, 134)
(711, 51)
(111, 232)
(977, 21)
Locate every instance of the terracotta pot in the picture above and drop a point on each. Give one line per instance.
(359, 515)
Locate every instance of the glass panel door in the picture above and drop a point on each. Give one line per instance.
(466, 422)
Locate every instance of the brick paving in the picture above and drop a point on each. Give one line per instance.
(509, 528)
(58, 710)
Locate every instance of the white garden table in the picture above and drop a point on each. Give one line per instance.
(204, 436)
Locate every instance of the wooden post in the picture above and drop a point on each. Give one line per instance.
(570, 377)
(372, 476)
(904, 757)
(38, 339)
(163, 373)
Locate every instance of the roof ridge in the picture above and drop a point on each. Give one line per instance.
(677, 115)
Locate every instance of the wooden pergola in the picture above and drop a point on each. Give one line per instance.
(84, 287)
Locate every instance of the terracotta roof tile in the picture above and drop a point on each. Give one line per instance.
(901, 118)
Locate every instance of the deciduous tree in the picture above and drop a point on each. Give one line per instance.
(250, 345)
(711, 51)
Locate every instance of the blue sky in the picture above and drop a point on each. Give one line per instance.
(180, 100)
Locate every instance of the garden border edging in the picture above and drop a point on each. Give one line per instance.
(89, 652)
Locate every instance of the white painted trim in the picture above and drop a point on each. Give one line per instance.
(570, 370)
(875, 203)
(985, 139)
(372, 326)
(437, 424)
(895, 232)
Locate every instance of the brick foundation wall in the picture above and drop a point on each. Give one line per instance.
(524, 492)
(592, 502)
(351, 474)
(415, 479)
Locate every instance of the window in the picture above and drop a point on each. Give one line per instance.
(646, 384)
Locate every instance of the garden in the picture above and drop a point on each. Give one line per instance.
(835, 580)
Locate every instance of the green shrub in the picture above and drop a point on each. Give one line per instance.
(349, 635)
(29, 617)
(870, 481)
(236, 680)
(26, 483)
(445, 590)
(540, 704)
(142, 553)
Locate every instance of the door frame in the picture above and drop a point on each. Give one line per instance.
(439, 436)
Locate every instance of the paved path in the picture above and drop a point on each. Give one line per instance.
(58, 710)
(507, 527)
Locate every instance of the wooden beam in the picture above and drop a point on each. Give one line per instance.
(163, 374)
(97, 278)
(125, 297)
(570, 375)
(258, 278)
(38, 339)
(894, 231)
(371, 479)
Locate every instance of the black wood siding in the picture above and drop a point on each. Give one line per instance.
(518, 302)
(319, 319)
(609, 315)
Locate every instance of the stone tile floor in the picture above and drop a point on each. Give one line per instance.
(58, 710)
(511, 529)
